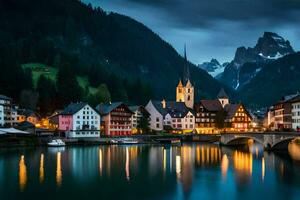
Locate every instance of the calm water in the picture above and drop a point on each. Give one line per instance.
(193, 171)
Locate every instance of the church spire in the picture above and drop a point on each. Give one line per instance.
(186, 70)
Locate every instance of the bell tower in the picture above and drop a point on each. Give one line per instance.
(180, 92)
(185, 90)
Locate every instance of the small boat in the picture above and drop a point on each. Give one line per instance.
(128, 141)
(56, 143)
(171, 141)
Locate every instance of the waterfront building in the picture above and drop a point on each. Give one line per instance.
(79, 120)
(157, 114)
(27, 115)
(115, 119)
(139, 119)
(209, 116)
(295, 113)
(237, 119)
(5, 111)
(171, 116)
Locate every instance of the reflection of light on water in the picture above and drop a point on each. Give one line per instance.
(263, 168)
(165, 159)
(22, 173)
(294, 151)
(42, 173)
(207, 155)
(58, 169)
(224, 166)
(100, 161)
(127, 165)
(178, 165)
(243, 161)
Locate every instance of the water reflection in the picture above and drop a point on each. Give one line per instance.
(41, 171)
(58, 169)
(294, 150)
(22, 173)
(197, 169)
(224, 166)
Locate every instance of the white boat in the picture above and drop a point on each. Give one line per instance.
(128, 141)
(56, 143)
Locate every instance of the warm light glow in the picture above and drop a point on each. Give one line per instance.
(165, 159)
(22, 173)
(127, 170)
(178, 165)
(263, 168)
(42, 173)
(243, 161)
(58, 169)
(100, 161)
(224, 166)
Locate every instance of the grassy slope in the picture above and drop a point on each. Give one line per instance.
(39, 69)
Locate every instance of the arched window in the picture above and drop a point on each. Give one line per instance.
(189, 97)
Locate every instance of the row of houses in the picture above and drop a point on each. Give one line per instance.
(285, 114)
(12, 115)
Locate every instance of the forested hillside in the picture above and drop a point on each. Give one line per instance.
(120, 58)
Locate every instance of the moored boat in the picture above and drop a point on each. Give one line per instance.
(56, 143)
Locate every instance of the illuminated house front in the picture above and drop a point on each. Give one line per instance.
(79, 120)
(171, 116)
(116, 119)
(208, 114)
(237, 118)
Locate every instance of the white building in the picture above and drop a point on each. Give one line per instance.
(170, 115)
(157, 114)
(181, 121)
(1, 115)
(5, 110)
(80, 120)
(138, 113)
(296, 113)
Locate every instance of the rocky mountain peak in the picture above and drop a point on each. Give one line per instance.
(272, 45)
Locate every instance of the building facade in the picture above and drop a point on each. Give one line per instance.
(79, 120)
(295, 113)
(209, 115)
(156, 121)
(140, 119)
(116, 119)
(5, 111)
(238, 119)
(283, 115)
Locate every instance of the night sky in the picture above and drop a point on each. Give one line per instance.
(212, 28)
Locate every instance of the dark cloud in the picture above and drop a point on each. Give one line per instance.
(212, 28)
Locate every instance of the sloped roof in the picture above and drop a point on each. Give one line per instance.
(175, 109)
(73, 108)
(222, 94)
(12, 130)
(295, 99)
(3, 97)
(105, 109)
(26, 124)
(27, 112)
(212, 105)
(141, 108)
(231, 109)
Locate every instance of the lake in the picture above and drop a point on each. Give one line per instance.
(191, 171)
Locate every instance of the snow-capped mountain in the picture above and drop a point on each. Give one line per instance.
(248, 62)
(214, 68)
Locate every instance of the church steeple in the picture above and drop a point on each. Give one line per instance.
(185, 89)
(186, 70)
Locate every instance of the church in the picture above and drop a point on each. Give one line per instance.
(203, 117)
(185, 89)
(175, 116)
